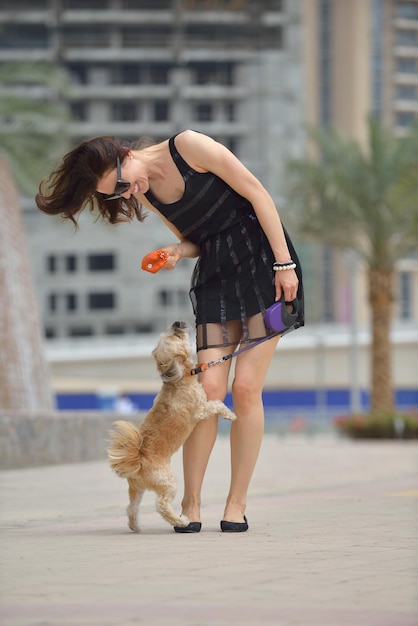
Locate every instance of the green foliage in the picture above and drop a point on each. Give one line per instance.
(379, 426)
(363, 199)
(33, 119)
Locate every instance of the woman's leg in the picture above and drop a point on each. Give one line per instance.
(247, 431)
(199, 445)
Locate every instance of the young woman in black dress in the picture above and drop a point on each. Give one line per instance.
(221, 214)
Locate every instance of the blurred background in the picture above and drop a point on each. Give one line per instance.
(254, 74)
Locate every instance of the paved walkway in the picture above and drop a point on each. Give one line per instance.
(333, 541)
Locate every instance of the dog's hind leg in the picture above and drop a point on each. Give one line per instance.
(164, 485)
(135, 497)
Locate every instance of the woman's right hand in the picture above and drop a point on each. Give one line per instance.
(174, 256)
(185, 249)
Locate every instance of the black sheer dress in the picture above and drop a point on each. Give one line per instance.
(233, 280)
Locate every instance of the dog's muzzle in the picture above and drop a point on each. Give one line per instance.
(179, 326)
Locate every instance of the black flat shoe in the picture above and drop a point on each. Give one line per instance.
(234, 527)
(192, 527)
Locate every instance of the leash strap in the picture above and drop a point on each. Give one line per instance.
(204, 366)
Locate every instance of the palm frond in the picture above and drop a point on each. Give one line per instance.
(33, 119)
(360, 198)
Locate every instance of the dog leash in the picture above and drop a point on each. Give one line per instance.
(278, 319)
(204, 366)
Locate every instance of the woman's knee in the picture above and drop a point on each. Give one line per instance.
(215, 388)
(246, 390)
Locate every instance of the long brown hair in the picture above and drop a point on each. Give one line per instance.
(72, 186)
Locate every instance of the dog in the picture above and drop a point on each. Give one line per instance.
(142, 454)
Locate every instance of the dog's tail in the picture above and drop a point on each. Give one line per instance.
(124, 449)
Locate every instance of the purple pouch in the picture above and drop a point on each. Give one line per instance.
(278, 318)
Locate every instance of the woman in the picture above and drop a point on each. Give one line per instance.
(221, 214)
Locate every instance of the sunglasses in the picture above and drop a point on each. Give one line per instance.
(121, 185)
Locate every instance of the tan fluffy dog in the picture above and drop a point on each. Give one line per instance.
(142, 454)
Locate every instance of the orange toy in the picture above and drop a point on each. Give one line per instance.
(154, 261)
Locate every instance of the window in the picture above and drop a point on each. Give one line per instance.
(230, 111)
(86, 37)
(61, 263)
(104, 300)
(405, 295)
(172, 297)
(24, 37)
(272, 5)
(376, 57)
(143, 36)
(80, 331)
(407, 10)
(71, 301)
(203, 112)
(165, 298)
(127, 74)
(325, 60)
(328, 284)
(161, 111)
(407, 38)
(406, 92)
(86, 4)
(143, 328)
(405, 118)
(101, 262)
(213, 73)
(78, 74)
(147, 4)
(71, 263)
(272, 38)
(407, 66)
(115, 330)
(51, 264)
(123, 112)
(159, 74)
(38, 5)
(59, 302)
(52, 302)
(79, 111)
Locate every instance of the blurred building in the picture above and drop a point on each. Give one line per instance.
(250, 73)
(361, 57)
(232, 69)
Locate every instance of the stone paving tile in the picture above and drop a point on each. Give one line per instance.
(333, 541)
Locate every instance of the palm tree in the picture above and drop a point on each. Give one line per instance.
(32, 129)
(366, 200)
(33, 119)
(24, 379)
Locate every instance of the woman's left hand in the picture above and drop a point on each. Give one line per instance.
(286, 282)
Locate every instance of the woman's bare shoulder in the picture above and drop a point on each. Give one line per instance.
(195, 147)
(191, 138)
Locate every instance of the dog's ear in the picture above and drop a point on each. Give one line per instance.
(173, 372)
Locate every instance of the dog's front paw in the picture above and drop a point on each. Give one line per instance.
(216, 407)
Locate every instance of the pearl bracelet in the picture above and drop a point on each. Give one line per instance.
(290, 265)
